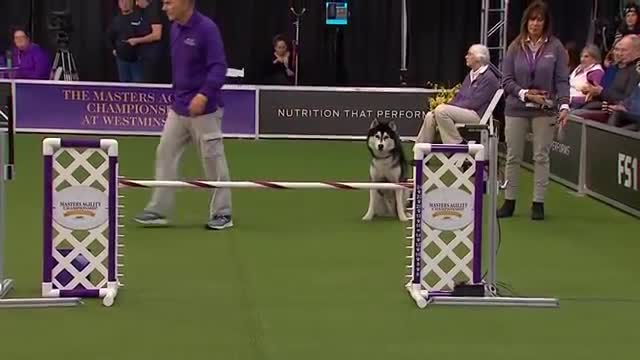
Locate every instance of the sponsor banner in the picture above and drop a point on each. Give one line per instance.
(80, 208)
(613, 166)
(339, 113)
(114, 109)
(448, 209)
(565, 153)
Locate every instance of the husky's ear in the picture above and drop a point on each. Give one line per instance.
(374, 123)
(393, 126)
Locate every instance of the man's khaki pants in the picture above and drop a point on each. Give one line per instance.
(516, 131)
(206, 133)
(445, 118)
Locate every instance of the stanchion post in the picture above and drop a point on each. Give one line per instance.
(296, 42)
(5, 284)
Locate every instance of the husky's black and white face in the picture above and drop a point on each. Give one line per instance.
(381, 137)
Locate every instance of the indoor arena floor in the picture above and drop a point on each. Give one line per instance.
(302, 277)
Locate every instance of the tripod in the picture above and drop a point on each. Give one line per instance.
(64, 66)
(296, 42)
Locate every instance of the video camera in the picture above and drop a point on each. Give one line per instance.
(60, 24)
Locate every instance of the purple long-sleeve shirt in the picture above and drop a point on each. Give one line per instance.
(199, 63)
(549, 71)
(33, 63)
(477, 95)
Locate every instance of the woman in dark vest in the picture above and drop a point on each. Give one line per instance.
(536, 84)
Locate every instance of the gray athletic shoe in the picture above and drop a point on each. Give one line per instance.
(150, 218)
(220, 222)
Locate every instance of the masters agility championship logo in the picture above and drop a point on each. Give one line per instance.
(80, 208)
(448, 209)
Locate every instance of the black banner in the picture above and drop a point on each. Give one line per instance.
(613, 166)
(564, 155)
(339, 113)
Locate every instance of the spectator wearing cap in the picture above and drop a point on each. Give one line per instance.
(30, 60)
(589, 72)
(630, 25)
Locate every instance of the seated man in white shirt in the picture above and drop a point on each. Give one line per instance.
(469, 104)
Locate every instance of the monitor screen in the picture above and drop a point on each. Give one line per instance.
(337, 13)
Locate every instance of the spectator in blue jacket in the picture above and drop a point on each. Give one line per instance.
(627, 114)
(469, 104)
(610, 69)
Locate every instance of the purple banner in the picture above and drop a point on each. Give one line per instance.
(117, 109)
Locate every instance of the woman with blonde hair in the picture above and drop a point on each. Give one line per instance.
(589, 72)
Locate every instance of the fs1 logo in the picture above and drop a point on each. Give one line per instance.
(628, 171)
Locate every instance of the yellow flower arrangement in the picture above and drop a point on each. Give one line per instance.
(444, 95)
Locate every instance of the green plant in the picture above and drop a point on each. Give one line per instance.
(443, 96)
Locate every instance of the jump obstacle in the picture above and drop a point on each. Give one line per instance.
(82, 255)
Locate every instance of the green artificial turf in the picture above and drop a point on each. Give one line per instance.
(302, 277)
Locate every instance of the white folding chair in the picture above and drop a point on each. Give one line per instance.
(488, 114)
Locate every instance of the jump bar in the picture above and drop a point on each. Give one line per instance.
(273, 185)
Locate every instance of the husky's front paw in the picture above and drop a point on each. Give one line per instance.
(403, 217)
(368, 216)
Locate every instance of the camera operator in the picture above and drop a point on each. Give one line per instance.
(124, 27)
(148, 38)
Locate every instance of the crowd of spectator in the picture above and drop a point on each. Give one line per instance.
(134, 38)
(605, 89)
(601, 88)
(543, 82)
(608, 90)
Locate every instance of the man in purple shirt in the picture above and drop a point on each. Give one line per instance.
(199, 69)
(30, 60)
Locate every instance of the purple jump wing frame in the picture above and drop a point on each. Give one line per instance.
(104, 261)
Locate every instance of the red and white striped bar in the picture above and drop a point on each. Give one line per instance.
(271, 185)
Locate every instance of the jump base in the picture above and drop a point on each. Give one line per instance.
(39, 303)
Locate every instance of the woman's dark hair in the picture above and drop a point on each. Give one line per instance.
(15, 29)
(574, 54)
(630, 7)
(609, 56)
(537, 9)
(279, 38)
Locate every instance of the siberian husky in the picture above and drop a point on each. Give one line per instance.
(388, 164)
